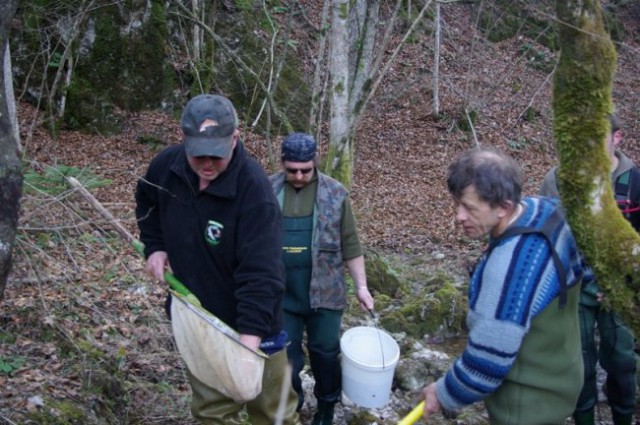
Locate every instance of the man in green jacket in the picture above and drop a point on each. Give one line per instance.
(320, 237)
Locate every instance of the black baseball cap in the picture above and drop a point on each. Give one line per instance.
(208, 123)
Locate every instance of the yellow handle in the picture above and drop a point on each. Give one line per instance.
(414, 415)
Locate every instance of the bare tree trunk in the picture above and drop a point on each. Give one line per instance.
(381, 73)
(355, 58)
(582, 88)
(275, 69)
(339, 163)
(196, 38)
(9, 94)
(67, 82)
(317, 97)
(436, 63)
(10, 165)
(362, 37)
(363, 94)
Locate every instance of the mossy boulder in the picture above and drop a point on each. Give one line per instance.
(439, 310)
(362, 417)
(92, 64)
(98, 64)
(380, 276)
(248, 64)
(125, 68)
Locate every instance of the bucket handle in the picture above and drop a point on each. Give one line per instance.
(376, 325)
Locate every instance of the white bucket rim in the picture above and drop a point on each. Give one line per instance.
(387, 363)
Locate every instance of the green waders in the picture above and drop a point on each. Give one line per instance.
(210, 407)
(323, 344)
(322, 325)
(616, 356)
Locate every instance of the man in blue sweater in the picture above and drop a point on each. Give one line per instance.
(523, 353)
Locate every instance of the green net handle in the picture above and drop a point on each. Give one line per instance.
(173, 281)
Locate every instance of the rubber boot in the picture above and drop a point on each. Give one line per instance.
(620, 419)
(328, 375)
(328, 389)
(586, 417)
(296, 360)
(324, 414)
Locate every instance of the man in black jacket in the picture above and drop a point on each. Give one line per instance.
(206, 212)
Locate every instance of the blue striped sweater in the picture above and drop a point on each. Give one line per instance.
(509, 287)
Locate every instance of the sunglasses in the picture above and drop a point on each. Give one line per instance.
(213, 158)
(295, 170)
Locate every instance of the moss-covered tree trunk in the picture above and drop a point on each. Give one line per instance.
(582, 102)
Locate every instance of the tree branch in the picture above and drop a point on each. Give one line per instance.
(189, 15)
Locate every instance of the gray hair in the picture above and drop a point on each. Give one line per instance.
(495, 176)
(614, 120)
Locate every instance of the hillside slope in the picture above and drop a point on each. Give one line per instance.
(77, 291)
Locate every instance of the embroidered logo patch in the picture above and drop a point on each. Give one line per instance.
(208, 123)
(213, 232)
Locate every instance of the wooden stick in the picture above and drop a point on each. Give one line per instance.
(122, 231)
(173, 282)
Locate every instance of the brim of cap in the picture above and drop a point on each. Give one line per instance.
(200, 146)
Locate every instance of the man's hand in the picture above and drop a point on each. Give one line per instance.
(250, 341)
(359, 275)
(157, 263)
(431, 403)
(364, 297)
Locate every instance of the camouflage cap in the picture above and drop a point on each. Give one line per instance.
(298, 147)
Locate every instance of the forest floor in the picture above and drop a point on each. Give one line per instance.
(73, 280)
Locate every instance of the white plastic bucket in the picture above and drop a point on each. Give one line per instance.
(369, 358)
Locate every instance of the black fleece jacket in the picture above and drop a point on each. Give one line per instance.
(224, 243)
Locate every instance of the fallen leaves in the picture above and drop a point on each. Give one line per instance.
(79, 307)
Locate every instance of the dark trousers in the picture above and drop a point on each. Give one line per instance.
(616, 356)
(323, 344)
